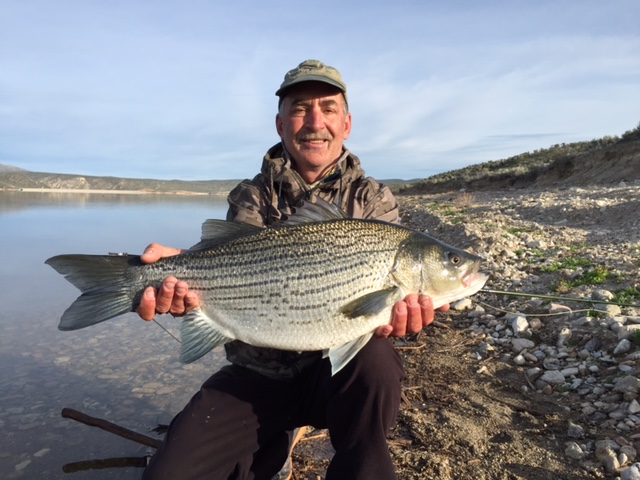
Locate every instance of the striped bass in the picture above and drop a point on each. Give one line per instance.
(318, 281)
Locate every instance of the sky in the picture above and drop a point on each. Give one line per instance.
(185, 89)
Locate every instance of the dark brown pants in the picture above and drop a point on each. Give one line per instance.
(238, 426)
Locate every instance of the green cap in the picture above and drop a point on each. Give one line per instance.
(312, 71)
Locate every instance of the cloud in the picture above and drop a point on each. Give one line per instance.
(186, 90)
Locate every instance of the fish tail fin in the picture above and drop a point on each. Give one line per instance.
(100, 278)
(199, 336)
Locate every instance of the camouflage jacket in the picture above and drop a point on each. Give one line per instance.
(270, 195)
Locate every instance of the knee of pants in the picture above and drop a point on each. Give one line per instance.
(377, 365)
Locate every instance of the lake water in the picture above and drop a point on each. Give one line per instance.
(124, 370)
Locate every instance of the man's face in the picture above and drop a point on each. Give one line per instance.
(313, 127)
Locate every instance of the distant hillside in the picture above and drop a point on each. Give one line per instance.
(10, 168)
(608, 160)
(14, 178)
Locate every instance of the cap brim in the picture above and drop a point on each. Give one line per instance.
(311, 78)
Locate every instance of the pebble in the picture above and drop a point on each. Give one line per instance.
(590, 357)
(623, 347)
(519, 344)
(631, 473)
(553, 377)
(573, 450)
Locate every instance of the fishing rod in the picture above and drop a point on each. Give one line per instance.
(557, 297)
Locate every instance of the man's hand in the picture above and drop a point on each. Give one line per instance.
(410, 316)
(173, 296)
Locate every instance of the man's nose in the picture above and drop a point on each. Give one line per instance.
(314, 119)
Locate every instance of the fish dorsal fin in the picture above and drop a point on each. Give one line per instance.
(319, 211)
(216, 232)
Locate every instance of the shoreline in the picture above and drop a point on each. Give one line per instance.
(103, 192)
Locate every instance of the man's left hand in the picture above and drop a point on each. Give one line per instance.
(410, 316)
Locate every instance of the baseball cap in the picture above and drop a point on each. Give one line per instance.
(312, 71)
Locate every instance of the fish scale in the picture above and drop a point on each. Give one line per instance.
(302, 286)
(297, 275)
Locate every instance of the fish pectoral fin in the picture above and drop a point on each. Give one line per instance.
(199, 335)
(371, 303)
(341, 355)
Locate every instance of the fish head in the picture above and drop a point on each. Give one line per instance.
(427, 266)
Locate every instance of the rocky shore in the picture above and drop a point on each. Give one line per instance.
(509, 388)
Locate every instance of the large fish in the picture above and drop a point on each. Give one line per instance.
(318, 281)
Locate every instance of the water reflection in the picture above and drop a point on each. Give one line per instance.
(124, 370)
(17, 201)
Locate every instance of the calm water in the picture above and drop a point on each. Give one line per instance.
(125, 370)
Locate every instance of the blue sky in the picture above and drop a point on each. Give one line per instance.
(185, 89)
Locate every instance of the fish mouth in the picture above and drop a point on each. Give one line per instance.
(475, 280)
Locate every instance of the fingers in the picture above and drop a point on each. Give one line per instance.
(416, 313)
(426, 310)
(151, 254)
(147, 308)
(398, 325)
(191, 300)
(443, 308)
(410, 316)
(172, 297)
(155, 252)
(183, 299)
(165, 296)
(384, 331)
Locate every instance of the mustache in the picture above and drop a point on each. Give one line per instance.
(309, 137)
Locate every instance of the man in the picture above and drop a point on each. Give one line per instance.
(241, 423)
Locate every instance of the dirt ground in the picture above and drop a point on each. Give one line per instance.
(462, 419)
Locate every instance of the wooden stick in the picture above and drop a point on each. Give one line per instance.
(103, 464)
(110, 427)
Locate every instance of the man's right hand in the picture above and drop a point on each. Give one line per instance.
(173, 296)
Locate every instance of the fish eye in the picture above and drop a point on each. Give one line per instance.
(454, 258)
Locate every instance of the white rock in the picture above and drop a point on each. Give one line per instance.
(629, 451)
(631, 473)
(563, 337)
(519, 344)
(567, 372)
(627, 384)
(22, 465)
(519, 325)
(519, 360)
(607, 458)
(573, 450)
(623, 347)
(600, 294)
(463, 304)
(628, 331)
(552, 377)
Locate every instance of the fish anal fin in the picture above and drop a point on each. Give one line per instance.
(341, 355)
(199, 335)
